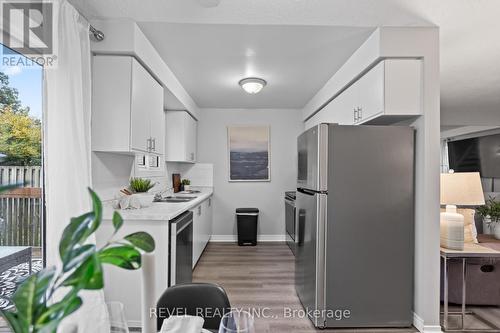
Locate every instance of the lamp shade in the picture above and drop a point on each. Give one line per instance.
(461, 188)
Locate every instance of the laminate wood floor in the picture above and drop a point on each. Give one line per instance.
(261, 277)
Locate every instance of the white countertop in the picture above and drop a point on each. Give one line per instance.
(160, 211)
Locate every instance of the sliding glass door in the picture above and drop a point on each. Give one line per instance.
(21, 209)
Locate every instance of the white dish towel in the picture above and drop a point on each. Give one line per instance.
(182, 324)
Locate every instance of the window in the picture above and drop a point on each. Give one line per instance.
(21, 210)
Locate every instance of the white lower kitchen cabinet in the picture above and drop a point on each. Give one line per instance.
(202, 227)
(125, 285)
(387, 93)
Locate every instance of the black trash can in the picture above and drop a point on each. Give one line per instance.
(247, 225)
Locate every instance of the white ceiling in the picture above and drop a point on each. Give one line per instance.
(296, 61)
(470, 47)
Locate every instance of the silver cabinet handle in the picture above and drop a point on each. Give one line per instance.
(192, 156)
(148, 148)
(199, 210)
(153, 146)
(360, 113)
(209, 202)
(355, 115)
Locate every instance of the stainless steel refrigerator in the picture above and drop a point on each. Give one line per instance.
(355, 213)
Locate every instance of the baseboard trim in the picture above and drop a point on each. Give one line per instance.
(134, 323)
(234, 238)
(419, 324)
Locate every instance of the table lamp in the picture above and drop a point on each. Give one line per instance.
(461, 188)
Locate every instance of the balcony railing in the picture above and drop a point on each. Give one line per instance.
(21, 208)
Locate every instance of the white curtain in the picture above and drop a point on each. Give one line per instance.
(67, 100)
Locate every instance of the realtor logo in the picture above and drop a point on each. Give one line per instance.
(27, 28)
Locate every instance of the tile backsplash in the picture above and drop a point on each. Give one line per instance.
(112, 172)
(200, 174)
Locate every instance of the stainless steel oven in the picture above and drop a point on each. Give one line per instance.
(290, 223)
(181, 249)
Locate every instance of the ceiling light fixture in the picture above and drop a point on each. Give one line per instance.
(252, 85)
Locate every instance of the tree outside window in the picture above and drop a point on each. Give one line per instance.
(20, 133)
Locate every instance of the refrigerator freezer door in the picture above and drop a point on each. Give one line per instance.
(312, 146)
(369, 247)
(309, 258)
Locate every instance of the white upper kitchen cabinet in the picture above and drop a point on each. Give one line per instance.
(387, 93)
(338, 111)
(181, 137)
(127, 107)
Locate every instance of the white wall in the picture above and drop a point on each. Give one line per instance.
(285, 126)
(474, 117)
(112, 172)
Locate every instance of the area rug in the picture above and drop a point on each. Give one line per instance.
(11, 278)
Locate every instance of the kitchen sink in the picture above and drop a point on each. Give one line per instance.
(175, 199)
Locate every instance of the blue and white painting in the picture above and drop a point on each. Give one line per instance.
(249, 153)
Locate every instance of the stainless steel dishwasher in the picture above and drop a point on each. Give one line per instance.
(181, 249)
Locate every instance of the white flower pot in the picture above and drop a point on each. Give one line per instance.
(487, 226)
(496, 229)
(145, 199)
(187, 187)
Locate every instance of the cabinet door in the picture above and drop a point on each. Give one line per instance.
(339, 111)
(345, 109)
(206, 223)
(157, 119)
(181, 137)
(197, 233)
(403, 87)
(210, 218)
(111, 103)
(371, 93)
(142, 107)
(174, 136)
(191, 128)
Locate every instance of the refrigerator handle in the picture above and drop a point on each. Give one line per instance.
(306, 191)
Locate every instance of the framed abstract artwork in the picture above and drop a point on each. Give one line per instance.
(249, 153)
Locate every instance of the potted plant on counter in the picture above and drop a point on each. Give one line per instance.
(490, 212)
(140, 188)
(186, 183)
(37, 309)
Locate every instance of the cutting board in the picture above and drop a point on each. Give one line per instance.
(176, 182)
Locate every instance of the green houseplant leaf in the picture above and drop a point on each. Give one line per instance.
(125, 256)
(55, 313)
(77, 255)
(117, 221)
(35, 309)
(15, 323)
(140, 185)
(75, 233)
(30, 297)
(88, 275)
(79, 230)
(141, 240)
